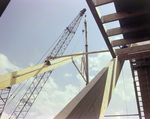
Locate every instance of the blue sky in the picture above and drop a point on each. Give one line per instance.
(28, 29)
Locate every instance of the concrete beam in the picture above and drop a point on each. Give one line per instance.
(119, 30)
(120, 42)
(136, 49)
(122, 15)
(134, 56)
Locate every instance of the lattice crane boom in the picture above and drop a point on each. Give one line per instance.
(36, 86)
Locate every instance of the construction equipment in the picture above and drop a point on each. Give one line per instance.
(39, 81)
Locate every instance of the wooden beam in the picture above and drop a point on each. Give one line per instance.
(82, 53)
(134, 56)
(97, 17)
(79, 71)
(119, 30)
(120, 42)
(122, 115)
(84, 64)
(101, 2)
(93, 100)
(122, 15)
(3, 5)
(133, 49)
(23, 74)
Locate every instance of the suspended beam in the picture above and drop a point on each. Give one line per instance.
(101, 2)
(24, 74)
(122, 15)
(102, 29)
(119, 30)
(93, 100)
(82, 53)
(128, 41)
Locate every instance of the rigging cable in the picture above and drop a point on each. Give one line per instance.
(82, 35)
(49, 48)
(77, 42)
(75, 48)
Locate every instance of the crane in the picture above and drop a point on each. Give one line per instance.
(39, 81)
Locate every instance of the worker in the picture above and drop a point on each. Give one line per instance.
(123, 46)
(47, 60)
(49, 57)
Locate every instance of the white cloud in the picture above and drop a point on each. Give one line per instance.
(6, 66)
(67, 75)
(51, 99)
(31, 64)
(98, 62)
(4, 116)
(82, 83)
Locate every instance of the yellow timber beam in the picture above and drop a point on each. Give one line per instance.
(82, 53)
(24, 74)
(93, 100)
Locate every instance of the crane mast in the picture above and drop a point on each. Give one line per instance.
(39, 81)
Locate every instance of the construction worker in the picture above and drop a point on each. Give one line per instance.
(47, 60)
(49, 57)
(123, 46)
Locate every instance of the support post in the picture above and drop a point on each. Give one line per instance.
(86, 50)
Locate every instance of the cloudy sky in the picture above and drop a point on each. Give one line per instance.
(30, 27)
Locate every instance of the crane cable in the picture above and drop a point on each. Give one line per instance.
(49, 48)
(82, 35)
(77, 42)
